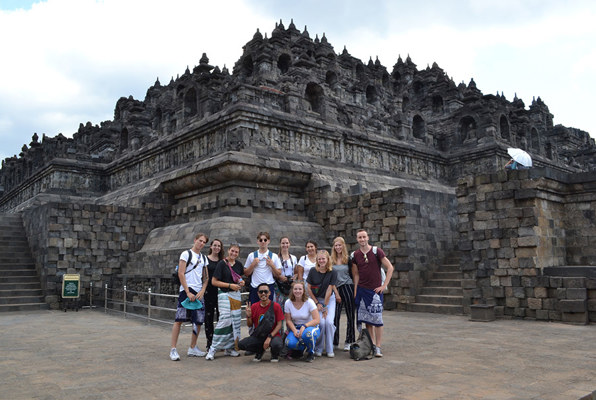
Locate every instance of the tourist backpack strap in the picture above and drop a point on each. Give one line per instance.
(383, 273)
(175, 277)
(196, 264)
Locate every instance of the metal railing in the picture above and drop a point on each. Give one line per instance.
(143, 305)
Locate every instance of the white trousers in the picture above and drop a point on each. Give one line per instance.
(325, 341)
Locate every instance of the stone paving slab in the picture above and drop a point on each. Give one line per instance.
(93, 355)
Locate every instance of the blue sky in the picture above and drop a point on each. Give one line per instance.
(66, 62)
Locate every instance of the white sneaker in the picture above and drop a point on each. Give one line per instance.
(211, 354)
(347, 347)
(318, 353)
(195, 352)
(378, 352)
(174, 355)
(330, 355)
(231, 353)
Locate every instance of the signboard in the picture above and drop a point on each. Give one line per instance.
(71, 285)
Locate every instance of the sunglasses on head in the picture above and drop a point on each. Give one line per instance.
(263, 291)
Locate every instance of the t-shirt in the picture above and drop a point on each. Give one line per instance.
(307, 265)
(369, 272)
(262, 273)
(194, 278)
(257, 310)
(303, 315)
(287, 266)
(319, 282)
(223, 274)
(211, 269)
(343, 274)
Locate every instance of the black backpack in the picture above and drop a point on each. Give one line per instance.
(363, 348)
(266, 323)
(176, 278)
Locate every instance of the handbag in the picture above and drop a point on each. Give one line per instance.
(235, 277)
(284, 287)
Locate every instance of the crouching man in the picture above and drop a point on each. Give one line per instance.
(268, 336)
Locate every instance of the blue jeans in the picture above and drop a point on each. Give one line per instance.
(307, 341)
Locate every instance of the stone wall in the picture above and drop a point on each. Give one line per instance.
(60, 176)
(517, 229)
(580, 214)
(416, 228)
(92, 240)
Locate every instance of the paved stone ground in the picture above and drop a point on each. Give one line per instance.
(91, 355)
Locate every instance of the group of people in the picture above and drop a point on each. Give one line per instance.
(306, 295)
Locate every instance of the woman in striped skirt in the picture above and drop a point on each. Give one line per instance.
(228, 279)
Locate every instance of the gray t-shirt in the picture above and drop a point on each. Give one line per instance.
(343, 274)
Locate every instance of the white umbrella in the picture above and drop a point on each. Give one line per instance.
(520, 156)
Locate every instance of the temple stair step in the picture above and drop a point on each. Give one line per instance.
(442, 293)
(20, 285)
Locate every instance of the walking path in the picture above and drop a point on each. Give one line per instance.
(91, 355)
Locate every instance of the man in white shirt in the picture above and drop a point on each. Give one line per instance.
(193, 283)
(263, 266)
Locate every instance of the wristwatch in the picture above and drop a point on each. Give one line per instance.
(269, 336)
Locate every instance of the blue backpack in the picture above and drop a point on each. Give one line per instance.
(256, 254)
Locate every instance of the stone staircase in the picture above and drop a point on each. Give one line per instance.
(20, 286)
(442, 294)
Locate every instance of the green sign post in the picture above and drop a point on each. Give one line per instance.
(71, 285)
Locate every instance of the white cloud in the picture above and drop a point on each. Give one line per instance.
(68, 61)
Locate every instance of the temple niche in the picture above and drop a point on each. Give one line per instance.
(296, 138)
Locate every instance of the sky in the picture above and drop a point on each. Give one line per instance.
(66, 62)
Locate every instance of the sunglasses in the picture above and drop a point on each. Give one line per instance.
(365, 258)
(263, 240)
(263, 292)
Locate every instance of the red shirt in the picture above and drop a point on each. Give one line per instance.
(257, 310)
(369, 272)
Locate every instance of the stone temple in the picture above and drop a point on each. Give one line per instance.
(301, 140)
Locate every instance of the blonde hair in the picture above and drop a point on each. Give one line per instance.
(304, 295)
(326, 254)
(344, 252)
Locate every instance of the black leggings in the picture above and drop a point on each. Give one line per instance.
(210, 313)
